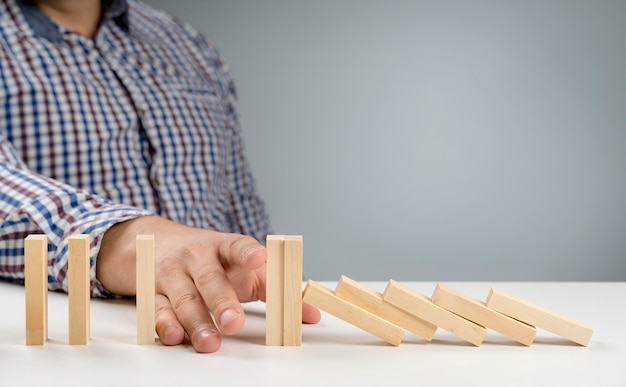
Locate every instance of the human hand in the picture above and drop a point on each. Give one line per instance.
(197, 271)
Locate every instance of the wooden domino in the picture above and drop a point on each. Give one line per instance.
(274, 291)
(422, 307)
(326, 300)
(476, 311)
(145, 288)
(36, 288)
(292, 291)
(538, 316)
(372, 301)
(283, 292)
(78, 289)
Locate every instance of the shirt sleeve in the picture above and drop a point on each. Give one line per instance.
(34, 204)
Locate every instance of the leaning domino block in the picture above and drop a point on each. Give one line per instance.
(326, 300)
(283, 317)
(78, 289)
(476, 311)
(36, 288)
(422, 307)
(538, 316)
(372, 301)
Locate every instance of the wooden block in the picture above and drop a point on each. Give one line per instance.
(476, 311)
(422, 307)
(36, 288)
(292, 291)
(326, 300)
(274, 294)
(538, 316)
(145, 288)
(372, 301)
(78, 289)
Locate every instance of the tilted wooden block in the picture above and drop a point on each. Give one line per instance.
(372, 301)
(78, 289)
(36, 288)
(476, 311)
(274, 290)
(538, 316)
(326, 300)
(145, 288)
(292, 291)
(421, 306)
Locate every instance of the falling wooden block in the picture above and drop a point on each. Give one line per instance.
(36, 288)
(422, 307)
(538, 316)
(372, 301)
(145, 291)
(292, 291)
(326, 300)
(476, 311)
(78, 289)
(274, 290)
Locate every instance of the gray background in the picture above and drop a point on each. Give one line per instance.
(434, 140)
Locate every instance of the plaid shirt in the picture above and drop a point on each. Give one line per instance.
(140, 120)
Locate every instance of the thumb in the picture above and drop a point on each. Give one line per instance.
(237, 250)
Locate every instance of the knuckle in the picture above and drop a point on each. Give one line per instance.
(207, 277)
(184, 300)
(218, 304)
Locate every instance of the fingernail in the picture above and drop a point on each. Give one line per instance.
(203, 334)
(228, 316)
(249, 251)
(169, 331)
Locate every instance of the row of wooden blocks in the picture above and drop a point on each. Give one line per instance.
(78, 276)
(388, 315)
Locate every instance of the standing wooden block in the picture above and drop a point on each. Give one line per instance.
(145, 288)
(292, 291)
(36, 288)
(422, 307)
(476, 311)
(78, 289)
(372, 301)
(538, 316)
(274, 290)
(326, 300)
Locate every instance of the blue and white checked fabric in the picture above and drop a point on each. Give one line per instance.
(141, 120)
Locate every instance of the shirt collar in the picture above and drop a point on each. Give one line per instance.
(116, 10)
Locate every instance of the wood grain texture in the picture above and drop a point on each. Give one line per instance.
(372, 301)
(476, 311)
(326, 300)
(78, 289)
(36, 288)
(533, 314)
(422, 307)
(145, 288)
(292, 291)
(274, 290)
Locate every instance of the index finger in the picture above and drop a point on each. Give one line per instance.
(220, 297)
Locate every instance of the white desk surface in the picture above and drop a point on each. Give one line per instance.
(333, 352)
